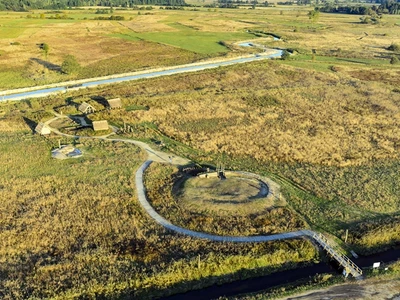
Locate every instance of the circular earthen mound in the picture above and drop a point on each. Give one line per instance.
(236, 195)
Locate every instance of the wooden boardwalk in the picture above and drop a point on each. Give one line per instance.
(342, 259)
(349, 266)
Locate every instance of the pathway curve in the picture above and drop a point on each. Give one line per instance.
(159, 156)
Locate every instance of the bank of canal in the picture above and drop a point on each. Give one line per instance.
(267, 282)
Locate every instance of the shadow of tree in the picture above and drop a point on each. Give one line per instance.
(31, 124)
(69, 101)
(213, 287)
(47, 64)
(100, 100)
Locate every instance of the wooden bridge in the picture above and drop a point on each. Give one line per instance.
(349, 266)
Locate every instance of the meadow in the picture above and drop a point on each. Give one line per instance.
(158, 37)
(312, 131)
(74, 229)
(313, 123)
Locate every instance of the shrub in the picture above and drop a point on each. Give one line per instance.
(394, 47)
(70, 65)
(285, 55)
(394, 60)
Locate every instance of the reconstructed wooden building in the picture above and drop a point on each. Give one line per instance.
(114, 103)
(100, 125)
(41, 128)
(86, 108)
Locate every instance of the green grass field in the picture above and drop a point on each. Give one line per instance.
(195, 40)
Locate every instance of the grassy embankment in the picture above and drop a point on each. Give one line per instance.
(163, 195)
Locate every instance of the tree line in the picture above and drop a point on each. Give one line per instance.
(24, 5)
(386, 7)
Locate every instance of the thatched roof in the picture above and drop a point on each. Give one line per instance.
(41, 128)
(100, 125)
(114, 103)
(86, 108)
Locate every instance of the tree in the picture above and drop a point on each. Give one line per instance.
(70, 65)
(313, 15)
(46, 48)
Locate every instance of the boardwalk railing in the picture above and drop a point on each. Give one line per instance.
(343, 260)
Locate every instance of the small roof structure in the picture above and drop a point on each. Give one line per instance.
(100, 125)
(41, 128)
(114, 103)
(86, 108)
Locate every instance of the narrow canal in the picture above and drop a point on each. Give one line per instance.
(257, 284)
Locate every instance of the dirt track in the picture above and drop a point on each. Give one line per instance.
(368, 289)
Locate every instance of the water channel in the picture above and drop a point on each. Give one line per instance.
(261, 283)
(64, 87)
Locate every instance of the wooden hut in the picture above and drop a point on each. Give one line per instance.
(86, 108)
(42, 129)
(114, 103)
(100, 125)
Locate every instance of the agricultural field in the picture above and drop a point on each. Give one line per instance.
(323, 125)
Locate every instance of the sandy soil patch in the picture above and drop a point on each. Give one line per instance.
(372, 290)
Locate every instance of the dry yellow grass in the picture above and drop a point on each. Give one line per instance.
(258, 219)
(87, 41)
(212, 23)
(237, 195)
(152, 23)
(74, 229)
(345, 122)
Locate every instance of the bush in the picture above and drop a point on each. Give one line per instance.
(394, 60)
(285, 55)
(394, 47)
(70, 65)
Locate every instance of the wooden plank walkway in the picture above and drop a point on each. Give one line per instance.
(343, 260)
(349, 266)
